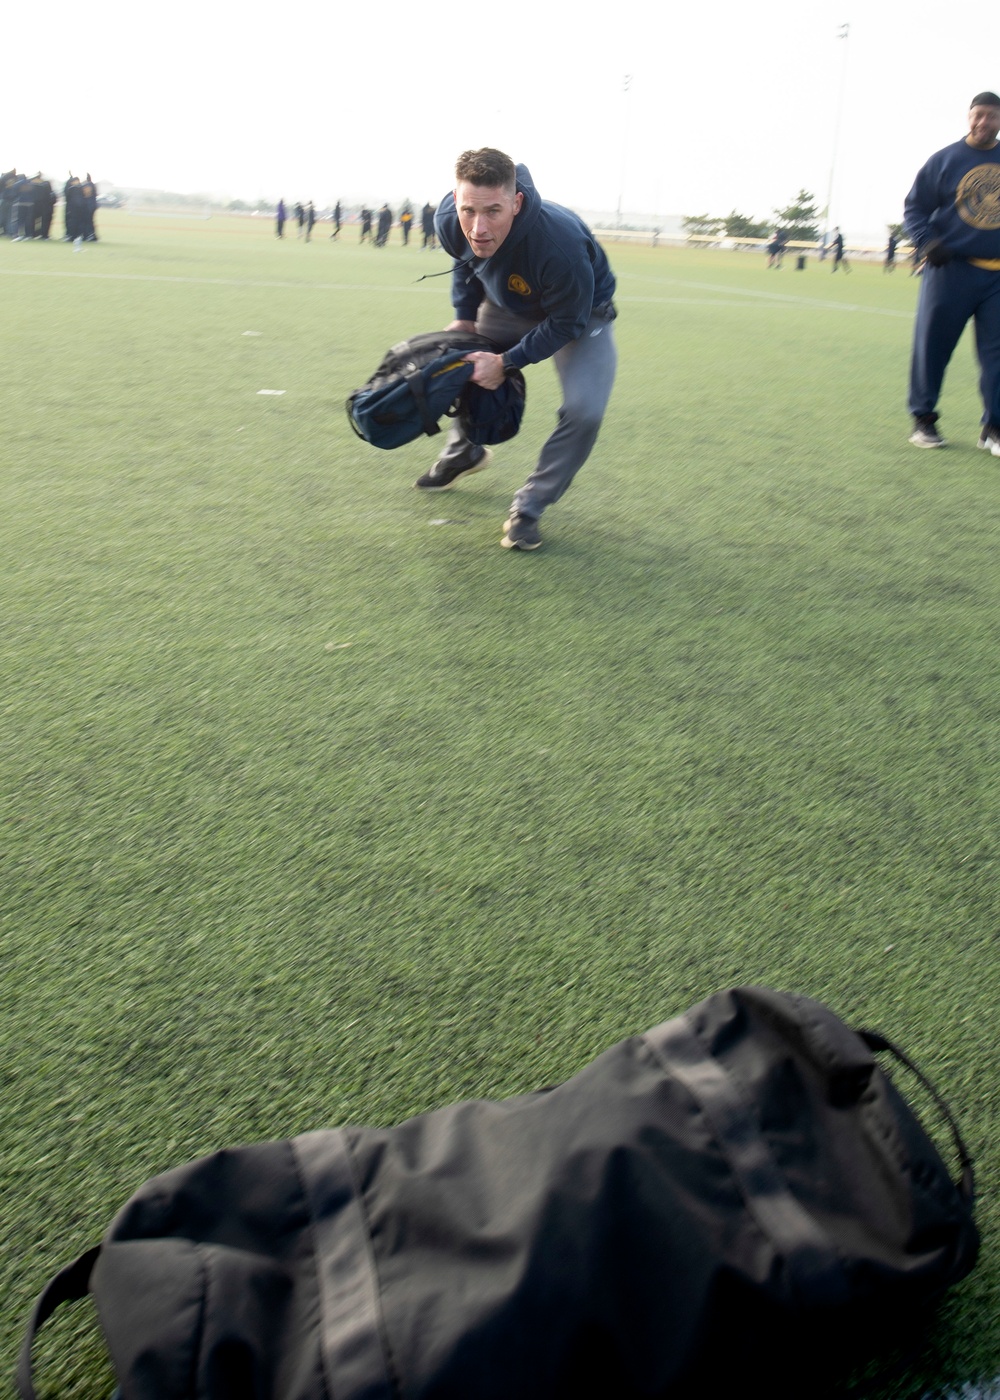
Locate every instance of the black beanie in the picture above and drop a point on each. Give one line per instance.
(984, 99)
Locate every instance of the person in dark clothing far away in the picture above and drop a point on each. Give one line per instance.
(427, 225)
(890, 252)
(836, 247)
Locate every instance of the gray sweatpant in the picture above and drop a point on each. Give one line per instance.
(586, 369)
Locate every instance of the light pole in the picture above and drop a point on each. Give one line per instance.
(626, 84)
(844, 32)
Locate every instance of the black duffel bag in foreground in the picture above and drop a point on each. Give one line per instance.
(746, 1168)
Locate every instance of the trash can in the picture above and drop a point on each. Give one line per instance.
(800, 262)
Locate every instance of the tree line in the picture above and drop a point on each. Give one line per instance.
(800, 220)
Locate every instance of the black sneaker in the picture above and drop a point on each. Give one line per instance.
(521, 532)
(441, 477)
(989, 439)
(925, 433)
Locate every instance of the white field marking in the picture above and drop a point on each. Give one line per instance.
(751, 296)
(272, 391)
(750, 306)
(784, 297)
(209, 281)
(807, 303)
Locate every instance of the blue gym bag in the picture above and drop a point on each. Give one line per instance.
(427, 378)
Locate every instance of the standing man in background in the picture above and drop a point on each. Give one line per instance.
(531, 277)
(890, 250)
(427, 225)
(953, 217)
(45, 204)
(776, 248)
(836, 247)
(73, 210)
(89, 209)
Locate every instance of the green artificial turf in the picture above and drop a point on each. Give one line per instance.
(318, 806)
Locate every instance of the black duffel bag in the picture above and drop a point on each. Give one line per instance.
(744, 1170)
(426, 378)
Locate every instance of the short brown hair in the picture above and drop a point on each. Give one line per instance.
(487, 167)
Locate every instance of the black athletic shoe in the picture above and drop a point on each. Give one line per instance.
(440, 478)
(989, 439)
(521, 532)
(925, 433)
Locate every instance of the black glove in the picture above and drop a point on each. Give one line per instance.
(937, 254)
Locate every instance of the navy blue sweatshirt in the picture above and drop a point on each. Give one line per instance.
(956, 197)
(549, 267)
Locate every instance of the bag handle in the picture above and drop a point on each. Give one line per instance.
(350, 418)
(813, 1269)
(69, 1283)
(966, 1186)
(415, 383)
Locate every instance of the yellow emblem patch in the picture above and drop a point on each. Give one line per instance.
(519, 285)
(977, 198)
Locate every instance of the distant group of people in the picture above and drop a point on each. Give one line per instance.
(304, 215)
(407, 218)
(28, 202)
(383, 223)
(832, 244)
(375, 228)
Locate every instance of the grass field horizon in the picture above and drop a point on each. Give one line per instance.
(320, 807)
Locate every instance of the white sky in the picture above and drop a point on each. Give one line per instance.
(731, 105)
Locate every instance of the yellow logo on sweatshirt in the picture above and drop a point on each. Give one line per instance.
(977, 198)
(519, 285)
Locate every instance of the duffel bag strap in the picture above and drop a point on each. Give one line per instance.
(416, 386)
(966, 1185)
(350, 415)
(813, 1264)
(69, 1283)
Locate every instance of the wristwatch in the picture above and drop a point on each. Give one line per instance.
(506, 366)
